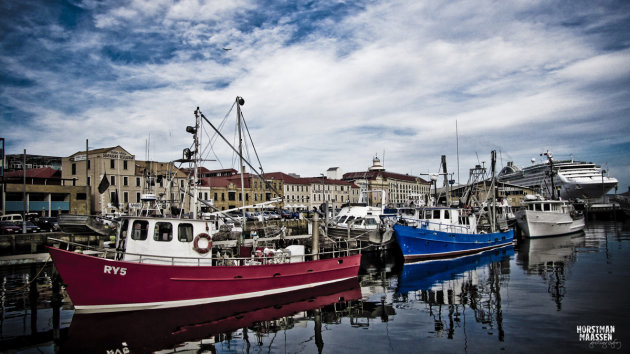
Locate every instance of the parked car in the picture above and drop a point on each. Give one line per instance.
(47, 223)
(9, 228)
(235, 216)
(269, 215)
(11, 217)
(287, 214)
(252, 216)
(30, 227)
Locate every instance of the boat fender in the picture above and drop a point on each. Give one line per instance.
(202, 250)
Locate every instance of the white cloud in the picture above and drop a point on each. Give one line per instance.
(393, 76)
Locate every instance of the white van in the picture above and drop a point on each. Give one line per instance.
(11, 217)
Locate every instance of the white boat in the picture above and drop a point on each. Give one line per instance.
(364, 222)
(575, 179)
(543, 218)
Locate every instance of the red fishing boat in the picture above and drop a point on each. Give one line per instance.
(164, 262)
(98, 284)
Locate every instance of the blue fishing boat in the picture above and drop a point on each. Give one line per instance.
(439, 232)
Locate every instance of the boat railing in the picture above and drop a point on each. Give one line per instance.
(218, 260)
(438, 225)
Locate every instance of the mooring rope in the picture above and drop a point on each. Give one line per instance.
(32, 280)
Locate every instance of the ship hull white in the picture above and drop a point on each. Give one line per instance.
(537, 224)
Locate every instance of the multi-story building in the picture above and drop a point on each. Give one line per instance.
(117, 181)
(399, 188)
(225, 192)
(311, 192)
(41, 191)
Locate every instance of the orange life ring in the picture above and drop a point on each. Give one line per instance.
(204, 249)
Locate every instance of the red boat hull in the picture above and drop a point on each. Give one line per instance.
(100, 285)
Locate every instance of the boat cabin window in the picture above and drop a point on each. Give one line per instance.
(370, 221)
(547, 207)
(342, 219)
(139, 230)
(163, 231)
(358, 221)
(436, 214)
(446, 214)
(185, 232)
(350, 218)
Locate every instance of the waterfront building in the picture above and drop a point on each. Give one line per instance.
(224, 190)
(308, 193)
(168, 183)
(41, 191)
(117, 181)
(481, 191)
(14, 162)
(400, 188)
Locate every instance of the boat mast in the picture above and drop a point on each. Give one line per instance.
(493, 158)
(239, 102)
(195, 170)
(551, 173)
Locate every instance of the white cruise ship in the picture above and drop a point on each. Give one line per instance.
(573, 179)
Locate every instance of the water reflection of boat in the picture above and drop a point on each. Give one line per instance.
(151, 330)
(550, 258)
(447, 273)
(449, 287)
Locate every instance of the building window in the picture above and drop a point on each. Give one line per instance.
(112, 164)
(125, 197)
(138, 198)
(88, 183)
(74, 168)
(125, 165)
(89, 164)
(137, 181)
(112, 180)
(125, 181)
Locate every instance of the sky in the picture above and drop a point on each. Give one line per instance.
(325, 83)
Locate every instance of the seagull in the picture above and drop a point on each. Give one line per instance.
(226, 49)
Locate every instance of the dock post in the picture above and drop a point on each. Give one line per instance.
(315, 236)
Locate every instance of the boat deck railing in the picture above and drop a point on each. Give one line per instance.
(438, 226)
(218, 259)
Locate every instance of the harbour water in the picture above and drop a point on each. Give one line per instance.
(562, 294)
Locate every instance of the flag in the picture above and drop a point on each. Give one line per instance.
(102, 187)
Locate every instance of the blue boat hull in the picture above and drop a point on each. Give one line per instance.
(421, 243)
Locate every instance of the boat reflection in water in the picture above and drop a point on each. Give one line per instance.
(456, 284)
(550, 258)
(151, 330)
